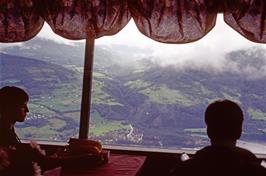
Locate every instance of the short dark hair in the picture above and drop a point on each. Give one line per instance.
(11, 96)
(224, 120)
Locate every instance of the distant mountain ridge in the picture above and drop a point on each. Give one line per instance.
(48, 51)
(26, 72)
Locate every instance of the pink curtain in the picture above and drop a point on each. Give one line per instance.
(174, 21)
(80, 19)
(19, 20)
(169, 21)
(248, 17)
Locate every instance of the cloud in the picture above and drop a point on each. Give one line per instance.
(210, 49)
(206, 52)
(47, 33)
(220, 40)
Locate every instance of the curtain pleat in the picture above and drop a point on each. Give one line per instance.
(19, 20)
(174, 21)
(81, 19)
(168, 21)
(248, 17)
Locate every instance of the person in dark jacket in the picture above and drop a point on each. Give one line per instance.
(224, 120)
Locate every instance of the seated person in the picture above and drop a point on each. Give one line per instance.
(13, 108)
(26, 158)
(224, 127)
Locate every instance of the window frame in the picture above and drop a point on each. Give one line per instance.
(86, 89)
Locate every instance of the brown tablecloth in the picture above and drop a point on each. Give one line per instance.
(118, 165)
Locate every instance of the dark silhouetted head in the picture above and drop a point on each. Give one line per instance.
(13, 103)
(224, 120)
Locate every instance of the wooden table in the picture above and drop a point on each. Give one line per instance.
(118, 165)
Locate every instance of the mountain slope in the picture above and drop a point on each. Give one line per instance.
(164, 105)
(39, 77)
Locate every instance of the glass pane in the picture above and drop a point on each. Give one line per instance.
(50, 69)
(153, 95)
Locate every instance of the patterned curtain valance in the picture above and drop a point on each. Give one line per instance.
(169, 21)
(19, 20)
(248, 17)
(174, 21)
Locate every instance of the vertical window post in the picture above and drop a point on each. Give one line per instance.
(86, 90)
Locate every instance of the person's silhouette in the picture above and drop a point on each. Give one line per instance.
(224, 120)
(23, 157)
(13, 108)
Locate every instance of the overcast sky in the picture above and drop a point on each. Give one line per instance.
(221, 35)
(211, 48)
(220, 40)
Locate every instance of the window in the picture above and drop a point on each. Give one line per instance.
(145, 93)
(50, 70)
(151, 94)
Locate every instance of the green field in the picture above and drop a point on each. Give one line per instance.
(34, 133)
(99, 96)
(256, 114)
(39, 110)
(235, 98)
(73, 115)
(164, 95)
(101, 75)
(56, 123)
(137, 84)
(64, 98)
(100, 126)
(196, 130)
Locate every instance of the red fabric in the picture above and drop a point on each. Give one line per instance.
(248, 17)
(169, 21)
(79, 19)
(118, 165)
(19, 20)
(174, 21)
